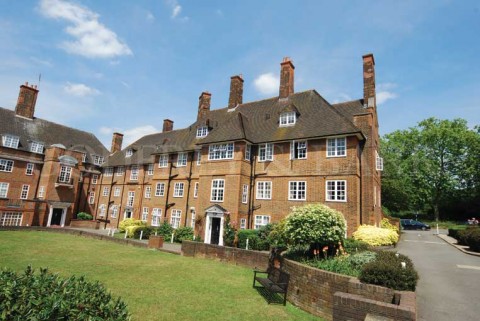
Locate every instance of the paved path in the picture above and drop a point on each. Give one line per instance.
(449, 285)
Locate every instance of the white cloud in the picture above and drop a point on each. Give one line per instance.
(105, 130)
(133, 134)
(39, 61)
(342, 97)
(267, 84)
(385, 92)
(150, 17)
(219, 12)
(92, 39)
(79, 90)
(176, 10)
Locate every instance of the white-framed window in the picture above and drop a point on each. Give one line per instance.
(114, 211)
(378, 162)
(65, 174)
(156, 215)
(297, 191)
(84, 157)
(261, 220)
(298, 149)
(178, 190)
(218, 190)
(337, 147)
(145, 214)
(29, 169)
(94, 179)
(6, 165)
(36, 147)
(160, 189)
(148, 192)
(245, 194)
(10, 219)
(336, 191)
(91, 198)
(10, 141)
(264, 190)
(108, 171)
(120, 171)
(195, 190)
(3, 190)
(288, 118)
(163, 160)
(116, 192)
(24, 192)
(103, 210)
(199, 157)
(150, 170)
(194, 216)
(175, 218)
(248, 152)
(129, 152)
(202, 131)
(98, 160)
(41, 191)
(265, 152)
(220, 151)
(243, 223)
(182, 159)
(131, 198)
(105, 191)
(134, 173)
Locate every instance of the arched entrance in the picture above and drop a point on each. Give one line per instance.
(215, 218)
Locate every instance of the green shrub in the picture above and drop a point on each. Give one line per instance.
(298, 253)
(183, 233)
(165, 230)
(147, 231)
(130, 222)
(46, 296)
(386, 270)
(352, 246)
(385, 223)
(339, 265)
(130, 230)
(84, 216)
(358, 260)
(473, 240)
(376, 236)
(251, 235)
(463, 236)
(277, 237)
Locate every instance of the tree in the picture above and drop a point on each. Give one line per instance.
(428, 164)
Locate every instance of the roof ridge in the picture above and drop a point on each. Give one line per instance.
(348, 101)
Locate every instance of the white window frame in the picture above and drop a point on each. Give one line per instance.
(199, 158)
(36, 147)
(218, 190)
(108, 171)
(195, 190)
(148, 192)
(156, 215)
(129, 152)
(116, 192)
(261, 220)
(288, 119)
(160, 189)
(336, 190)
(265, 152)
(10, 141)
(11, 218)
(134, 173)
(245, 194)
(378, 162)
(150, 169)
(105, 191)
(41, 191)
(65, 174)
(243, 223)
(94, 179)
(98, 160)
(91, 198)
(120, 170)
(114, 211)
(6, 165)
(29, 169)
(298, 149)
(182, 159)
(335, 148)
(221, 151)
(175, 218)
(194, 216)
(296, 192)
(145, 212)
(248, 152)
(24, 192)
(84, 157)
(4, 189)
(131, 198)
(178, 189)
(163, 161)
(103, 210)
(262, 192)
(202, 131)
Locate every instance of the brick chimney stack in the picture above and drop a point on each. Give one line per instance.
(117, 141)
(167, 125)
(204, 104)
(369, 96)
(27, 98)
(236, 91)
(286, 77)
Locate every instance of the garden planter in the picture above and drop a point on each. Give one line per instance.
(94, 225)
(155, 242)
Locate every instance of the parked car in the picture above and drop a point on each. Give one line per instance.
(408, 224)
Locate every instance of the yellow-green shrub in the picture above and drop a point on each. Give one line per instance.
(130, 222)
(130, 230)
(376, 236)
(385, 223)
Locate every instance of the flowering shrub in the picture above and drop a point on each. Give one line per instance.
(385, 223)
(375, 236)
(130, 222)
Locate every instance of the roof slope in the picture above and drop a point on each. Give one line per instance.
(48, 133)
(351, 108)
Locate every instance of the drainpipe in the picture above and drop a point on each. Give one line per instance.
(87, 195)
(168, 188)
(121, 196)
(189, 180)
(362, 145)
(98, 195)
(253, 153)
(142, 190)
(79, 195)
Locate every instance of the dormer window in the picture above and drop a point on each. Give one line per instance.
(288, 118)
(98, 160)
(129, 152)
(10, 141)
(202, 131)
(36, 147)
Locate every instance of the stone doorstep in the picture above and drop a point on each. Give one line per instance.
(374, 317)
(453, 242)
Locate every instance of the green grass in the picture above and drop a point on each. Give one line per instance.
(155, 285)
(444, 224)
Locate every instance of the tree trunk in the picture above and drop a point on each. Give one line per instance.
(436, 211)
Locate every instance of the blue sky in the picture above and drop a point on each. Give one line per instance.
(125, 66)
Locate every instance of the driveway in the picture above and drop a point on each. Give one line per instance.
(449, 285)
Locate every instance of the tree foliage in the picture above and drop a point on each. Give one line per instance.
(431, 165)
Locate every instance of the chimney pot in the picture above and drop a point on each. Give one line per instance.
(27, 98)
(167, 125)
(286, 78)
(117, 140)
(204, 104)
(236, 91)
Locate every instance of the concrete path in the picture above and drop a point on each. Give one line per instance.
(449, 285)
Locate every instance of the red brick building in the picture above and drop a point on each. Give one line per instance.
(252, 161)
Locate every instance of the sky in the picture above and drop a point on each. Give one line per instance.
(118, 65)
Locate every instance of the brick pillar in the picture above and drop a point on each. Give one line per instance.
(117, 140)
(204, 104)
(27, 98)
(236, 91)
(286, 78)
(167, 125)
(369, 99)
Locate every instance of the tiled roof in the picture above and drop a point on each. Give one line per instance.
(351, 108)
(48, 133)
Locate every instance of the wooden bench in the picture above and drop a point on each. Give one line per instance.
(275, 282)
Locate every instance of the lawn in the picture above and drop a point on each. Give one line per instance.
(155, 285)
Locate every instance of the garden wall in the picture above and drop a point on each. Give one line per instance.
(329, 295)
(94, 225)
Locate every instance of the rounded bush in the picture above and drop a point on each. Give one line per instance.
(251, 235)
(385, 223)
(147, 231)
(183, 233)
(130, 222)
(47, 296)
(352, 246)
(358, 260)
(165, 230)
(375, 236)
(84, 216)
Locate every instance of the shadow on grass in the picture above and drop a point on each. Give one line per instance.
(274, 298)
